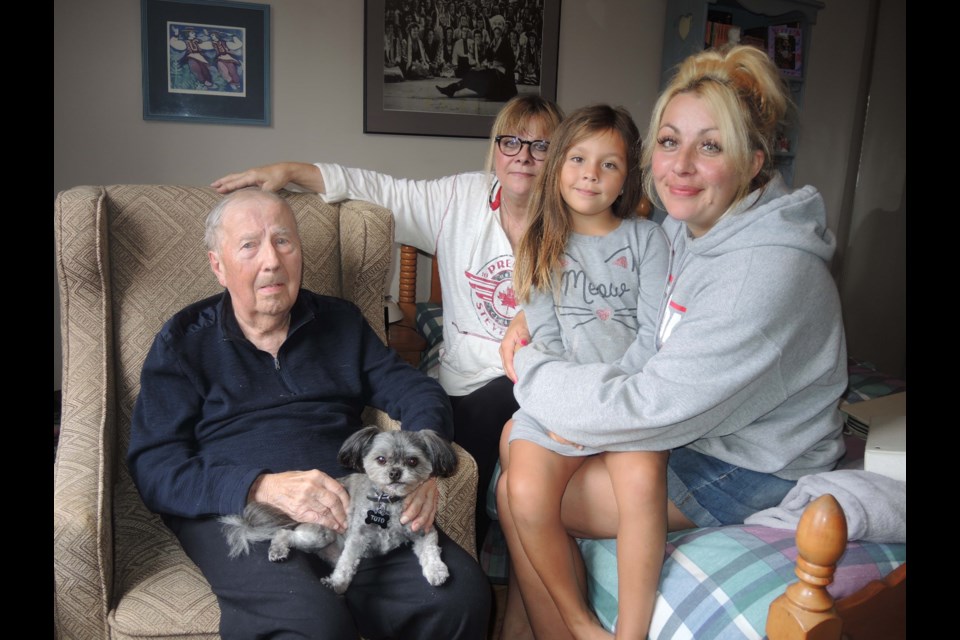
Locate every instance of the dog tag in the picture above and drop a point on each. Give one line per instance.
(378, 517)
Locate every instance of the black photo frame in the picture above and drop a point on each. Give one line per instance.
(206, 61)
(419, 107)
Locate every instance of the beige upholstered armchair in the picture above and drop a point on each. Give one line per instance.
(128, 257)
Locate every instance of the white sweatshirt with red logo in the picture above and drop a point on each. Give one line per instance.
(452, 218)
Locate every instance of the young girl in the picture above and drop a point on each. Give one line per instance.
(590, 277)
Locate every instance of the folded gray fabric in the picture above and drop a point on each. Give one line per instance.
(875, 505)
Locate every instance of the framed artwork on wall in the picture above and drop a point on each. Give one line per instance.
(206, 61)
(785, 47)
(450, 72)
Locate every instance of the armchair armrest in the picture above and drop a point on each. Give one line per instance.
(84, 471)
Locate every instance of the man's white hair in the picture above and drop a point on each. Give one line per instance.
(211, 234)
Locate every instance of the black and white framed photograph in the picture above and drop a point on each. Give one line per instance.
(441, 68)
(206, 61)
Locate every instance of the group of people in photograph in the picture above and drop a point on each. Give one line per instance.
(436, 39)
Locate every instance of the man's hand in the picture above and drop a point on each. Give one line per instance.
(306, 496)
(516, 336)
(420, 507)
(273, 177)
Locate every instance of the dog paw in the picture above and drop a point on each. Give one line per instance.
(436, 574)
(338, 586)
(278, 552)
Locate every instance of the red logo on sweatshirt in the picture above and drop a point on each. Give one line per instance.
(495, 301)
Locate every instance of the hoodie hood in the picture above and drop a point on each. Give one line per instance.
(770, 216)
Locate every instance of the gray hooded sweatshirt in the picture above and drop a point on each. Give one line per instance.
(751, 358)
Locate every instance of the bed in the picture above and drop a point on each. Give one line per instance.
(741, 581)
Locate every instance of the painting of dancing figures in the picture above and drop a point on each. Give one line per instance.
(205, 59)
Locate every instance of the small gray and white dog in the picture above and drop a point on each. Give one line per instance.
(391, 464)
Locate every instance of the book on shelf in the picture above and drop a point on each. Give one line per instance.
(718, 34)
(718, 28)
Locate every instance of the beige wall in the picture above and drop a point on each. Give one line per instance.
(317, 71)
(609, 52)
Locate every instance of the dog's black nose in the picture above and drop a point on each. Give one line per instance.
(395, 474)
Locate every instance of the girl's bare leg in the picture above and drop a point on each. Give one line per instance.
(536, 480)
(639, 480)
(589, 510)
(530, 607)
(516, 624)
(531, 611)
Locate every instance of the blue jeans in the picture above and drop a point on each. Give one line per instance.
(708, 491)
(711, 492)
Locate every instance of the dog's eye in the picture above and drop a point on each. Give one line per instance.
(412, 462)
(381, 460)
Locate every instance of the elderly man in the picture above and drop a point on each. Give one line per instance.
(248, 395)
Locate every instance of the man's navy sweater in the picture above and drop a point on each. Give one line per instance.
(214, 412)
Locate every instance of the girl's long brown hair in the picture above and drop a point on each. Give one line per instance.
(540, 253)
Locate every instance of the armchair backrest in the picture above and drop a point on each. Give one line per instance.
(128, 257)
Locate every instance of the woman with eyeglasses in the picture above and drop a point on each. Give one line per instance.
(472, 222)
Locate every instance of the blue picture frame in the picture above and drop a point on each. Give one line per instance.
(206, 61)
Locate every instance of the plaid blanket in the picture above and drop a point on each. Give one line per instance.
(716, 582)
(429, 317)
(719, 582)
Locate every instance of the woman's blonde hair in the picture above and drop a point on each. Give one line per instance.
(540, 253)
(747, 98)
(518, 114)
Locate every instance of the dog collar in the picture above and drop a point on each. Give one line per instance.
(380, 517)
(383, 497)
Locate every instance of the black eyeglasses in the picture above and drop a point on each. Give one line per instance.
(511, 145)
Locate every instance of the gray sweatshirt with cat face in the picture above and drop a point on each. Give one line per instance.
(751, 358)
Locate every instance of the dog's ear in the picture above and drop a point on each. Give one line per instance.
(439, 450)
(353, 448)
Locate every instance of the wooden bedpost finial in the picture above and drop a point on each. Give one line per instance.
(806, 609)
(644, 207)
